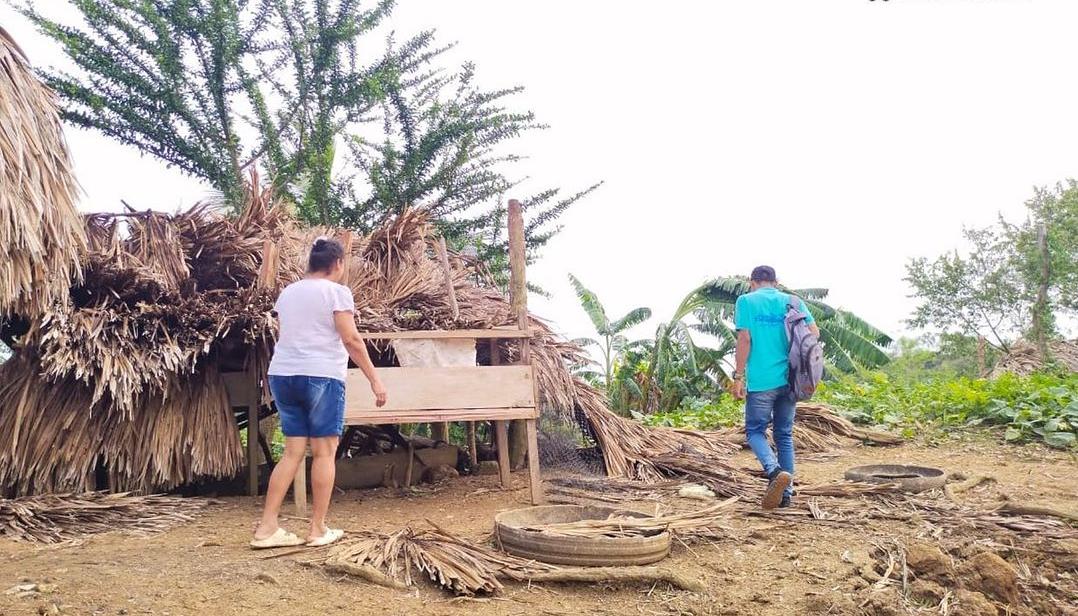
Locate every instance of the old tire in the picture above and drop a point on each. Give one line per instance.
(513, 534)
(909, 478)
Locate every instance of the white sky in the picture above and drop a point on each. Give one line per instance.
(832, 139)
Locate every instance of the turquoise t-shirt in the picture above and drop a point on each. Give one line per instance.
(763, 313)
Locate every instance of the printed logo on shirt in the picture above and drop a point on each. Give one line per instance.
(769, 319)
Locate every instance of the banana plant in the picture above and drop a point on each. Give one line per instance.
(612, 340)
(849, 341)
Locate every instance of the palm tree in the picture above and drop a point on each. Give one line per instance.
(849, 342)
(612, 333)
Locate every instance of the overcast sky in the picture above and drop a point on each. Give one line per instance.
(831, 139)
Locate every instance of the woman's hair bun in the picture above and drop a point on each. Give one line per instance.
(324, 254)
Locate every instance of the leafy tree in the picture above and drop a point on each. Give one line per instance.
(212, 86)
(612, 340)
(1010, 282)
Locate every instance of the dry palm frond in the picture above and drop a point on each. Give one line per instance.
(41, 234)
(454, 564)
(59, 517)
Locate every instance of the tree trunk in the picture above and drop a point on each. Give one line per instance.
(518, 296)
(1041, 311)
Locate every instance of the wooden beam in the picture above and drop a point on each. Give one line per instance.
(346, 243)
(437, 334)
(501, 439)
(464, 387)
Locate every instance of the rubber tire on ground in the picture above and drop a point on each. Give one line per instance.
(909, 478)
(515, 539)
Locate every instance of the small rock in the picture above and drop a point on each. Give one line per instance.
(928, 562)
(21, 588)
(265, 577)
(974, 604)
(989, 574)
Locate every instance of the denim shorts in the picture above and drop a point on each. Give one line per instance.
(311, 406)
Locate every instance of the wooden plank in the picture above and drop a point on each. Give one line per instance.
(535, 481)
(465, 387)
(435, 334)
(501, 440)
(360, 418)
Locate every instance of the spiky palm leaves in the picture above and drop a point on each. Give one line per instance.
(41, 237)
(612, 342)
(849, 341)
(678, 367)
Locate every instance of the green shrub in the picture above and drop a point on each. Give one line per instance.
(699, 414)
(1041, 406)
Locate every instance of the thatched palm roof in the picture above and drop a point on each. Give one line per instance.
(40, 229)
(128, 371)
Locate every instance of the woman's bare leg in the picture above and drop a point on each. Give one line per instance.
(323, 473)
(295, 449)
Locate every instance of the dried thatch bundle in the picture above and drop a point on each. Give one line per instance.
(456, 565)
(58, 434)
(59, 517)
(41, 237)
(1025, 358)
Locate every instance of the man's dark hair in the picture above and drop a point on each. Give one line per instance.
(763, 273)
(324, 254)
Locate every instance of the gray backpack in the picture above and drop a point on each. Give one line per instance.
(806, 352)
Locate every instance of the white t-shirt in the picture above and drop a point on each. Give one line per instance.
(309, 344)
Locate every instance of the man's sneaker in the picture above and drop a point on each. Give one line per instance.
(785, 502)
(780, 480)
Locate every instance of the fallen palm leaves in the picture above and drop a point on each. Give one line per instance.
(398, 560)
(58, 517)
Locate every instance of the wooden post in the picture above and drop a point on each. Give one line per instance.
(535, 481)
(443, 258)
(440, 431)
(473, 453)
(518, 297)
(252, 434)
(267, 279)
(501, 439)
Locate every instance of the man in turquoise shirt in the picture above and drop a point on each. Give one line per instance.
(762, 358)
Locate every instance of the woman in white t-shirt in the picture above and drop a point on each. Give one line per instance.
(306, 377)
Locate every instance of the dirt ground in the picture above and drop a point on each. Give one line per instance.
(772, 564)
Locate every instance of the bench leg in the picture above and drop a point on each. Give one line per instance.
(299, 488)
(534, 480)
(501, 438)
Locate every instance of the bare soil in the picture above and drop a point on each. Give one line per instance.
(771, 564)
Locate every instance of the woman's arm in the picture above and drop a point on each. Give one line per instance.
(357, 350)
